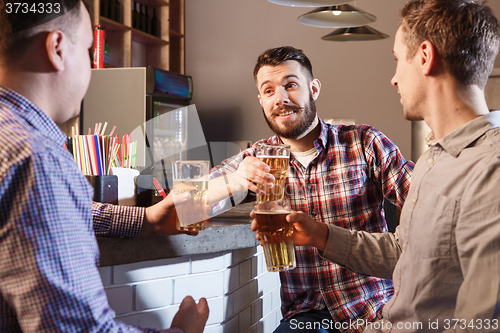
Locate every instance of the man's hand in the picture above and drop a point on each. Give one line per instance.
(306, 230)
(191, 317)
(161, 218)
(252, 174)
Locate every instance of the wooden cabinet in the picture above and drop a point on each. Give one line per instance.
(132, 42)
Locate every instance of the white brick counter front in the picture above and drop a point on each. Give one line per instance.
(242, 296)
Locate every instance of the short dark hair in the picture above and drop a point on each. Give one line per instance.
(19, 24)
(276, 56)
(465, 33)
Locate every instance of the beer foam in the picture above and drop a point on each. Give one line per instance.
(273, 212)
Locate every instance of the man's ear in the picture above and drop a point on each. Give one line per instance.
(260, 99)
(315, 86)
(55, 48)
(429, 58)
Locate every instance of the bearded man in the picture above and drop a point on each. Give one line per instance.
(338, 175)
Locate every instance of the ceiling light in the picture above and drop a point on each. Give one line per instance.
(362, 33)
(309, 3)
(329, 17)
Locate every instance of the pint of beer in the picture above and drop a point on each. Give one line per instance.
(276, 234)
(191, 176)
(277, 156)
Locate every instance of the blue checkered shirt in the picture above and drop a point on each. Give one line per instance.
(49, 281)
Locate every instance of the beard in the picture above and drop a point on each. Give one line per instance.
(307, 118)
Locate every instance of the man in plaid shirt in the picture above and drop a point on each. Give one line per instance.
(338, 175)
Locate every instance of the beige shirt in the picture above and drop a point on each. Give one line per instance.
(444, 257)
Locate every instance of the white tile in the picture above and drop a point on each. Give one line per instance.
(120, 298)
(267, 303)
(252, 329)
(257, 311)
(231, 326)
(203, 285)
(149, 270)
(269, 322)
(105, 273)
(245, 319)
(245, 271)
(261, 263)
(154, 294)
(276, 298)
(257, 328)
(279, 316)
(255, 266)
(216, 307)
(268, 282)
(158, 319)
(207, 262)
(242, 254)
(245, 295)
(214, 329)
(229, 305)
(231, 279)
(228, 257)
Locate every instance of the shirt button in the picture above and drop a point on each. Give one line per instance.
(405, 245)
(414, 200)
(313, 212)
(430, 160)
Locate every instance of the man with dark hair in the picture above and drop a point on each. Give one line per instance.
(444, 257)
(49, 281)
(340, 175)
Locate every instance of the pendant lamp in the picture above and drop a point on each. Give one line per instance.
(309, 3)
(341, 16)
(361, 33)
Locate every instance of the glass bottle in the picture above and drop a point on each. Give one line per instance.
(155, 31)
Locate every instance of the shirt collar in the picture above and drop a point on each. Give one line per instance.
(32, 114)
(459, 139)
(323, 134)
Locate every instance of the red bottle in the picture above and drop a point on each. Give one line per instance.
(98, 54)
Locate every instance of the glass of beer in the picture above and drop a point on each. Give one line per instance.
(192, 177)
(276, 234)
(277, 156)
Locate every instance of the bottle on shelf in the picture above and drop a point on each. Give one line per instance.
(148, 21)
(118, 11)
(112, 9)
(142, 18)
(135, 16)
(155, 26)
(106, 52)
(104, 8)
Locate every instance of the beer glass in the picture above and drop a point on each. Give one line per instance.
(192, 177)
(276, 234)
(277, 156)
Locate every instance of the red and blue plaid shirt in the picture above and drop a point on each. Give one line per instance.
(345, 184)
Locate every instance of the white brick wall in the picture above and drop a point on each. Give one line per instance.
(242, 296)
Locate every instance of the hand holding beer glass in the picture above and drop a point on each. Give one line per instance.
(277, 157)
(192, 177)
(276, 234)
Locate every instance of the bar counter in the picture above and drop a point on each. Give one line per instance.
(230, 231)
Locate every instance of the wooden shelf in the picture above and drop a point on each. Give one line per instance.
(147, 39)
(130, 46)
(154, 3)
(112, 25)
(177, 34)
